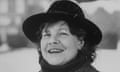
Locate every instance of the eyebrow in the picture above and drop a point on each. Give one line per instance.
(65, 29)
(46, 29)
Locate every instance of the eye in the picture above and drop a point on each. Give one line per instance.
(46, 35)
(63, 34)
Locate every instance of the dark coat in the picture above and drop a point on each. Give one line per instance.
(86, 68)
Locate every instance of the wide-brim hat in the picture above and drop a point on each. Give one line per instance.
(62, 10)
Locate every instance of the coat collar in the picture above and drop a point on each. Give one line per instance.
(86, 68)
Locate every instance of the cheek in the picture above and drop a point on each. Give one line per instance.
(70, 43)
(71, 49)
(43, 44)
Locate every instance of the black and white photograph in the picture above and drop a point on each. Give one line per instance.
(59, 35)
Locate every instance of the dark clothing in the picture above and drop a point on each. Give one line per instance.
(79, 64)
(85, 68)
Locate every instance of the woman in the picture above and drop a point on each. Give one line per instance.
(66, 39)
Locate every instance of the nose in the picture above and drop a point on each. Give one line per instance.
(53, 40)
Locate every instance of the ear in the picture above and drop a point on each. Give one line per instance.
(81, 43)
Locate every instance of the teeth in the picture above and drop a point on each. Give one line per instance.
(55, 50)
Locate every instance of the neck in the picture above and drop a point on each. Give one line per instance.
(71, 66)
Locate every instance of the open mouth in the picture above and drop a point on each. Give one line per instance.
(55, 50)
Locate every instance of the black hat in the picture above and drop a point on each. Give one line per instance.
(63, 10)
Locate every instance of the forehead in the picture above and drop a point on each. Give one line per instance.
(59, 25)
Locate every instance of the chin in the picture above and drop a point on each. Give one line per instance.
(53, 63)
(56, 61)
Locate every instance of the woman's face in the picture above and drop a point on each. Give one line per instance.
(58, 45)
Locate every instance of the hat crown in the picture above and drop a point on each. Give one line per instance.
(66, 7)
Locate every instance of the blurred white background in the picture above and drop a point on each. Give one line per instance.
(18, 54)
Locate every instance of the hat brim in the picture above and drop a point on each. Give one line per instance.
(32, 24)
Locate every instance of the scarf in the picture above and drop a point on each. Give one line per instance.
(71, 66)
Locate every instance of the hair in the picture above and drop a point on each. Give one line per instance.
(88, 49)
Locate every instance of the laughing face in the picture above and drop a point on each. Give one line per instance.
(58, 45)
